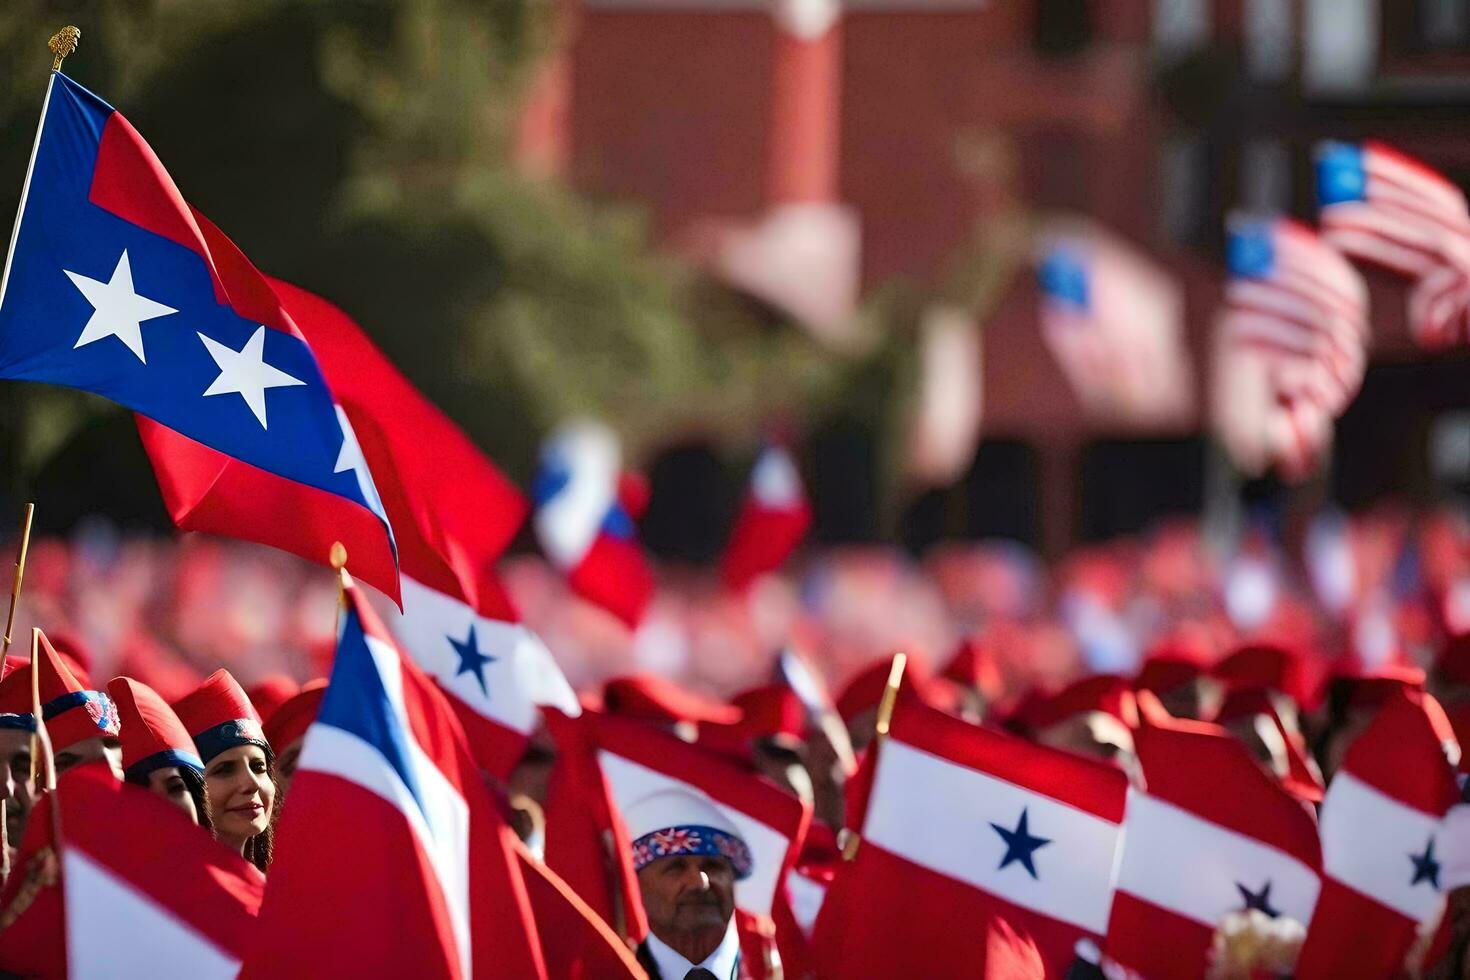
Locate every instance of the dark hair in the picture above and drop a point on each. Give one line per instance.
(261, 848)
(193, 782)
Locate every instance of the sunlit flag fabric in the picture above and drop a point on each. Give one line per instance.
(966, 827)
(772, 521)
(457, 621)
(1380, 823)
(1297, 308)
(114, 285)
(120, 911)
(1113, 319)
(1387, 208)
(391, 858)
(1213, 834)
(583, 527)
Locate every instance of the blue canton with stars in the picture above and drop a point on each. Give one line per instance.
(1021, 846)
(471, 660)
(95, 302)
(1260, 900)
(1426, 866)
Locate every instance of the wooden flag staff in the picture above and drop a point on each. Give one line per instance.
(849, 838)
(20, 573)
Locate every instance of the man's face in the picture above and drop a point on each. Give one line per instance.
(16, 789)
(687, 895)
(99, 748)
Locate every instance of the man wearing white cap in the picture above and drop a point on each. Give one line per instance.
(688, 856)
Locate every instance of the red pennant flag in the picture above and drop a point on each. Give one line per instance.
(1380, 825)
(968, 831)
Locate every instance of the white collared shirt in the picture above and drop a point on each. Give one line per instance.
(722, 962)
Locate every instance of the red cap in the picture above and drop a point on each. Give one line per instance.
(290, 721)
(772, 711)
(1107, 693)
(1373, 689)
(1171, 663)
(72, 712)
(1264, 665)
(218, 716)
(973, 666)
(865, 689)
(649, 698)
(270, 692)
(152, 735)
(1453, 662)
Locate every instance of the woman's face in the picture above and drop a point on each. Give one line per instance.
(240, 793)
(168, 783)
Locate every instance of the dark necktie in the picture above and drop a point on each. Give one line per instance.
(700, 973)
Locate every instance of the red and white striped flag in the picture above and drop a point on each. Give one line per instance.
(1296, 312)
(1213, 834)
(1380, 826)
(967, 830)
(1387, 208)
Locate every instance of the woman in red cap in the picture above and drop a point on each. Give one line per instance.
(157, 752)
(238, 764)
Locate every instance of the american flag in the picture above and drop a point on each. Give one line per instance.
(1294, 305)
(1113, 319)
(1387, 208)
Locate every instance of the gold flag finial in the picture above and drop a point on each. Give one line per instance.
(63, 43)
(338, 555)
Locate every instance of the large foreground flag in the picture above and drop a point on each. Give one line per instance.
(114, 285)
(772, 520)
(1387, 208)
(583, 527)
(392, 858)
(457, 622)
(1214, 834)
(968, 830)
(119, 911)
(1380, 822)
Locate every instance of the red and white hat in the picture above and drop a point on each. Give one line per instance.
(678, 823)
(218, 716)
(72, 712)
(646, 697)
(152, 736)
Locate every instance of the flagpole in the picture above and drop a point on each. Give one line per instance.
(338, 558)
(849, 838)
(20, 573)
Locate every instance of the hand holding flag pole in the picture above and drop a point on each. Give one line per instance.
(20, 572)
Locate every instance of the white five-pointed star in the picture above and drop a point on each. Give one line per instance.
(117, 309)
(350, 458)
(244, 372)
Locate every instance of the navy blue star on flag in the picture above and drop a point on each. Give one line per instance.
(471, 660)
(1426, 868)
(1260, 900)
(1020, 845)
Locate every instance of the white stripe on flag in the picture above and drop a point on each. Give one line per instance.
(1368, 841)
(939, 815)
(442, 825)
(114, 930)
(1196, 868)
(631, 781)
(521, 675)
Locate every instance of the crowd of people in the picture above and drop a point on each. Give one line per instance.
(1294, 652)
